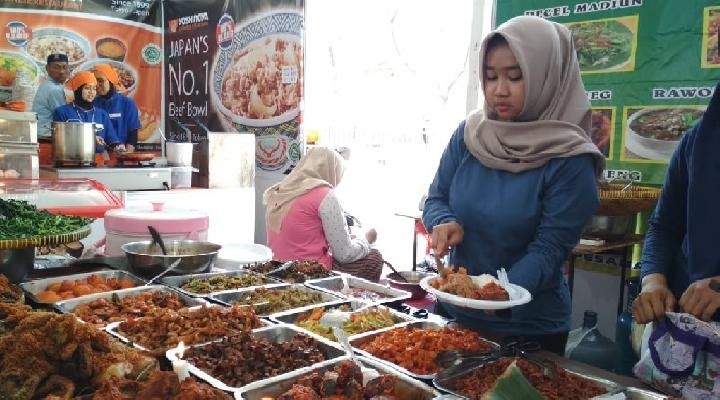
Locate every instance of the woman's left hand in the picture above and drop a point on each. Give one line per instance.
(702, 298)
(120, 148)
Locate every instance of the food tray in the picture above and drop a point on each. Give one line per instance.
(77, 197)
(34, 287)
(68, 306)
(227, 298)
(631, 393)
(407, 387)
(334, 285)
(289, 317)
(114, 330)
(275, 334)
(355, 342)
(36, 241)
(177, 281)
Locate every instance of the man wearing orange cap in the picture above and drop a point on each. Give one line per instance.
(84, 86)
(122, 110)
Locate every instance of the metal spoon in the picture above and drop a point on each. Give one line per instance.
(157, 239)
(396, 272)
(439, 264)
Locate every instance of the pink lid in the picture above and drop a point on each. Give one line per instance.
(165, 220)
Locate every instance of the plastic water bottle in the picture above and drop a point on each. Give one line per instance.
(627, 357)
(586, 344)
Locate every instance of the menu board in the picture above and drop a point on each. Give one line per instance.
(124, 34)
(236, 67)
(649, 69)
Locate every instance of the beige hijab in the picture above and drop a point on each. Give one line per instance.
(555, 121)
(319, 167)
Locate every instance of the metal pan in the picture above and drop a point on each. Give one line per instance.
(32, 288)
(69, 306)
(334, 285)
(290, 317)
(177, 281)
(274, 334)
(228, 298)
(114, 330)
(631, 393)
(356, 342)
(406, 387)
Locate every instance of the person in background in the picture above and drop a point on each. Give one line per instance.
(51, 93)
(680, 263)
(518, 180)
(306, 222)
(84, 87)
(122, 110)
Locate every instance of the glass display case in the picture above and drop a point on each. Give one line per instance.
(18, 145)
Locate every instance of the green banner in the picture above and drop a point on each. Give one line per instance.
(649, 68)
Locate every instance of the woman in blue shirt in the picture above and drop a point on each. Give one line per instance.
(517, 182)
(122, 110)
(83, 85)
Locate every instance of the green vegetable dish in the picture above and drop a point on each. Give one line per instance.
(222, 282)
(276, 300)
(22, 220)
(602, 44)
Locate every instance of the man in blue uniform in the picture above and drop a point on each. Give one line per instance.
(51, 93)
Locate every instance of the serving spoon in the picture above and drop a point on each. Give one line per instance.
(157, 239)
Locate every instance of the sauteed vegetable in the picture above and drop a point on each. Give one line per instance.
(20, 219)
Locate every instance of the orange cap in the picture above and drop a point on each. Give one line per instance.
(81, 78)
(109, 73)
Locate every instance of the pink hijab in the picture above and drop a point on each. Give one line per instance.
(556, 116)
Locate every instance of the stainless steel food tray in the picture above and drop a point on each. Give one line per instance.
(289, 317)
(69, 306)
(227, 298)
(631, 393)
(406, 388)
(355, 342)
(32, 288)
(177, 281)
(114, 330)
(334, 285)
(274, 334)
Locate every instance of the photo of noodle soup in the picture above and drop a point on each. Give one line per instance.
(653, 133)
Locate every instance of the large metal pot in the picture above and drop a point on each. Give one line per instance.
(74, 142)
(146, 257)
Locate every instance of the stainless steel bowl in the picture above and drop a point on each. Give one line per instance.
(413, 282)
(609, 227)
(147, 259)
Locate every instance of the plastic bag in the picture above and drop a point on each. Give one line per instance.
(682, 357)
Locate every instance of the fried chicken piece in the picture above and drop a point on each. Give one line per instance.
(299, 392)
(348, 371)
(190, 389)
(383, 385)
(56, 387)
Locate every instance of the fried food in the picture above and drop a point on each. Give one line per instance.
(9, 293)
(415, 349)
(165, 328)
(70, 289)
(461, 284)
(46, 352)
(567, 386)
(160, 385)
(242, 359)
(103, 311)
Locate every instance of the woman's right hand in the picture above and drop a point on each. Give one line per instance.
(445, 236)
(654, 300)
(371, 235)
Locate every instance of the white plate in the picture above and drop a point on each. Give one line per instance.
(244, 253)
(518, 295)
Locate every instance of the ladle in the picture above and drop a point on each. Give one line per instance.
(157, 239)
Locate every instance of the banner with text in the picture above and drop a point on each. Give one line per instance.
(236, 67)
(649, 68)
(125, 34)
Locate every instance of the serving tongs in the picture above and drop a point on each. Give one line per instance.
(456, 363)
